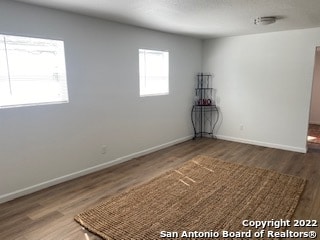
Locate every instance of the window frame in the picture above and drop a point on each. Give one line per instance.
(165, 69)
(19, 98)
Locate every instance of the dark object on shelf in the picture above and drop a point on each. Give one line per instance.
(204, 114)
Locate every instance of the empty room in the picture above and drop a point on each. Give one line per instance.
(157, 119)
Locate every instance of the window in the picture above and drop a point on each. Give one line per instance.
(32, 71)
(154, 72)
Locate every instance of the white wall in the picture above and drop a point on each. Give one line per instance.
(43, 145)
(315, 97)
(264, 83)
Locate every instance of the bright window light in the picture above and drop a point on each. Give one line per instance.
(32, 72)
(154, 72)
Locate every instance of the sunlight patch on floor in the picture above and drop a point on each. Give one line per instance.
(310, 138)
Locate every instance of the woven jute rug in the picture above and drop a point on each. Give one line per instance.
(203, 195)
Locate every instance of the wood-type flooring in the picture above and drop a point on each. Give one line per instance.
(48, 214)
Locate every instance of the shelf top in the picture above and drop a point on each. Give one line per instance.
(204, 88)
(205, 75)
(205, 106)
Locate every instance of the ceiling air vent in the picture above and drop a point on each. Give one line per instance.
(264, 20)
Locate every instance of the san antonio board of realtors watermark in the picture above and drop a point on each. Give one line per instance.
(260, 231)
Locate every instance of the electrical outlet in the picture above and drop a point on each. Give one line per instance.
(103, 149)
(241, 127)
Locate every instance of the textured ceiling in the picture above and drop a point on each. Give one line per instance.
(200, 18)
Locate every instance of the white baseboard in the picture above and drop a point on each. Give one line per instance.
(21, 192)
(263, 144)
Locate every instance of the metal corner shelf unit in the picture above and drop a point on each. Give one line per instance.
(204, 113)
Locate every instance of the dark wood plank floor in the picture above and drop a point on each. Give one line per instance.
(48, 214)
